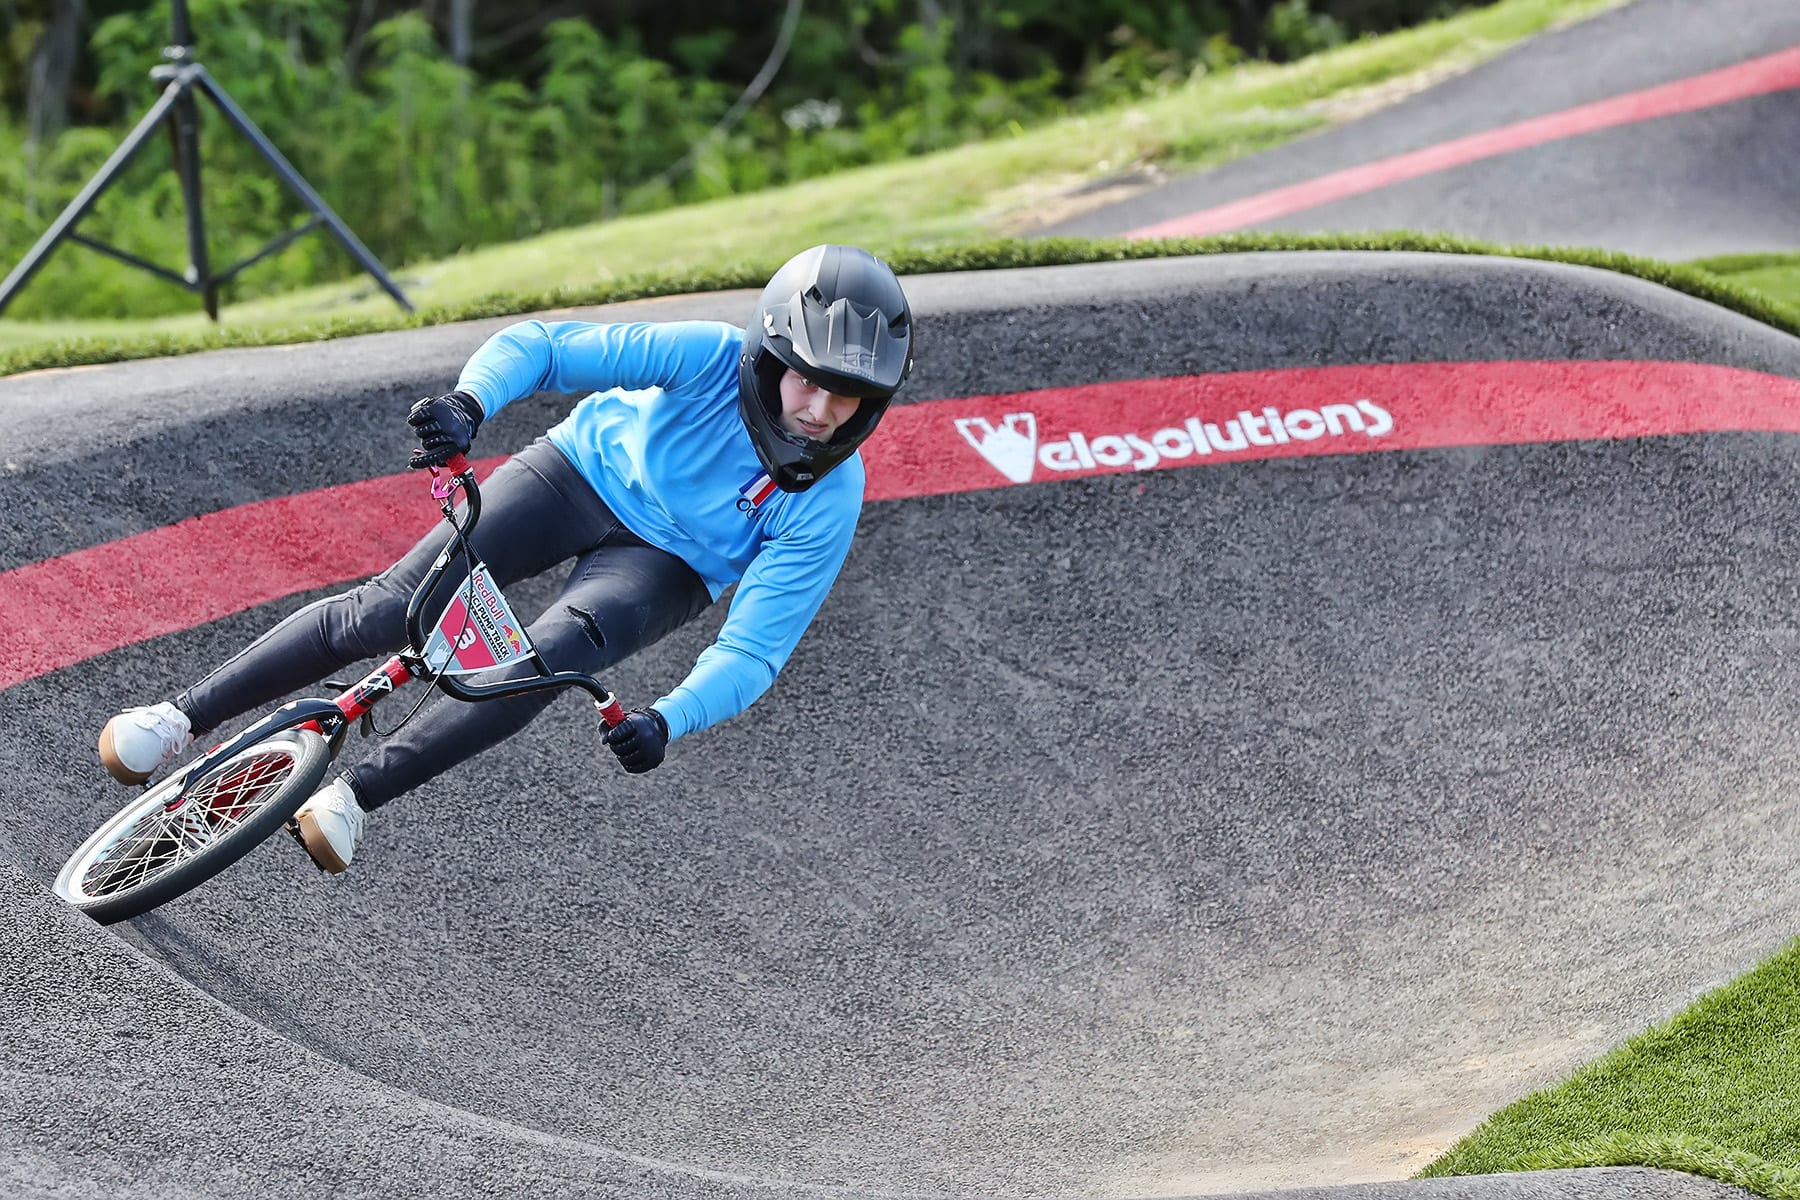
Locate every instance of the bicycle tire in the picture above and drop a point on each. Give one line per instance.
(142, 857)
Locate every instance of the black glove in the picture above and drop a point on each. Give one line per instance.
(639, 740)
(446, 425)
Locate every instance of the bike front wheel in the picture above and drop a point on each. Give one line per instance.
(165, 843)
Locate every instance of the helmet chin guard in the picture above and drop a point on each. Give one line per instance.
(837, 315)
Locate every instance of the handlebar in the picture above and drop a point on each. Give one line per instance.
(610, 710)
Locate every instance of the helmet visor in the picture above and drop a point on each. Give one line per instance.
(843, 347)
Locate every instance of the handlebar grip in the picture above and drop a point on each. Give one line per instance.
(610, 710)
(456, 464)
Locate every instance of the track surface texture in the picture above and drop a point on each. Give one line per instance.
(1260, 825)
(1716, 180)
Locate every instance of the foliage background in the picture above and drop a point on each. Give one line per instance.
(434, 128)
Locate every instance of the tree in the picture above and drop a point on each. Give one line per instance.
(52, 71)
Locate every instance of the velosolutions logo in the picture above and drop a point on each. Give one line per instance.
(1012, 446)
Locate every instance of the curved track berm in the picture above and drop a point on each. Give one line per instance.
(1258, 825)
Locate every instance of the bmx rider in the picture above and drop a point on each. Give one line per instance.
(702, 455)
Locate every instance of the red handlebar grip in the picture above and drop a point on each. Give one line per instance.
(611, 711)
(456, 464)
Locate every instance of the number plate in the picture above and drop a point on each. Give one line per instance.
(477, 632)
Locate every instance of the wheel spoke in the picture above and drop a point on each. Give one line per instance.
(142, 852)
(161, 839)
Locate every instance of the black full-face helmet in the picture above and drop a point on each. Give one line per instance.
(836, 315)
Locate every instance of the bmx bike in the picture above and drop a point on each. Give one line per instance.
(178, 833)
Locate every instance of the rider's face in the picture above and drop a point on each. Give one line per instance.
(810, 410)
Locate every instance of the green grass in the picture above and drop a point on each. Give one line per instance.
(1776, 276)
(1714, 1091)
(992, 255)
(973, 194)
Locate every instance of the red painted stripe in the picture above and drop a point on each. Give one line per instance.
(1146, 424)
(63, 610)
(72, 607)
(1771, 73)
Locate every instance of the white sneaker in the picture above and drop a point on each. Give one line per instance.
(330, 825)
(139, 740)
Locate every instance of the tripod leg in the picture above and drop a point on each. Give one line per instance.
(78, 207)
(301, 188)
(185, 132)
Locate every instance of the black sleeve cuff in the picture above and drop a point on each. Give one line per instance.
(471, 408)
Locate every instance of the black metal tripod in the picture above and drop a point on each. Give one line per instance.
(183, 76)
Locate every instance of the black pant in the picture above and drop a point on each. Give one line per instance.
(536, 511)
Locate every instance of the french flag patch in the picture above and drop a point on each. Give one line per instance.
(752, 494)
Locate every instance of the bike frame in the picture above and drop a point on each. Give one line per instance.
(332, 718)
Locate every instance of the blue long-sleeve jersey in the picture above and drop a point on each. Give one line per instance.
(660, 439)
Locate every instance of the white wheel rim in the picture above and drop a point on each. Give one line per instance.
(145, 841)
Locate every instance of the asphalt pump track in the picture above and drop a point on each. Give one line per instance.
(1262, 820)
(1654, 128)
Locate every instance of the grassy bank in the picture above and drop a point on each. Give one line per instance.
(1715, 1091)
(116, 346)
(959, 198)
(1776, 276)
